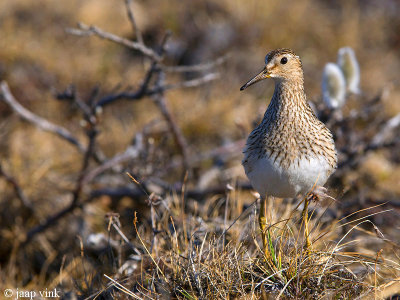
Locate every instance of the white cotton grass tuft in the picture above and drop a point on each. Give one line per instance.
(333, 86)
(347, 61)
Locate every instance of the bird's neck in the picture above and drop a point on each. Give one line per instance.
(289, 100)
(289, 93)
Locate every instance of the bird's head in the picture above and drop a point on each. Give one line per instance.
(281, 65)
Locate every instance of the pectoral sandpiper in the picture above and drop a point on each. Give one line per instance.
(290, 152)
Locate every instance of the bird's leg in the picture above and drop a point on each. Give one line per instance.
(263, 224)
(305, 219)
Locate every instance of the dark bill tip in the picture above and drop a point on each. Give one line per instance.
(260, 76)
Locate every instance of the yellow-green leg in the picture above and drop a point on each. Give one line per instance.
(262, 219)
(305, 219)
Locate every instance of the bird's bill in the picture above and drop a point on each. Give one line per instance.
(260, 76)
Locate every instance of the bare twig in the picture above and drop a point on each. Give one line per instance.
(160, 101)
(188, 83)
(145, 91)
(90, 149)
(52, 220)
(139, 94)
(128, 155)
(180, 141)
(154, 240)
(89, 114)
(131, 17)
(199, 67)
(123, 236)
(224, 152)
(355, 156)
(17, 188)
(157, 91)
(85, 30)
(36, 120)
(387, 129)
(132, 152)
(354, 159)
(71, 94)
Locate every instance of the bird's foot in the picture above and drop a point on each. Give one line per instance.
(318, 193)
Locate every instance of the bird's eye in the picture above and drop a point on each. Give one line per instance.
(284, 60)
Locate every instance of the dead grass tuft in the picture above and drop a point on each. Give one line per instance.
(188, 259)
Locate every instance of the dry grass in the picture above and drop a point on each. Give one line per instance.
(178, 247)
(188, 258)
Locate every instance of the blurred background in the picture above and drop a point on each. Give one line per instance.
(39, 59)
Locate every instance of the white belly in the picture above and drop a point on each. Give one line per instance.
(270, 179)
